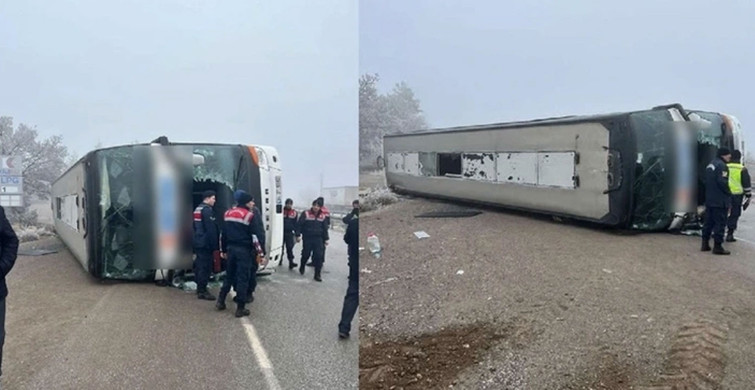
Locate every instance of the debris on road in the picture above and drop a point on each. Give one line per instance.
(186, 282)
(374, 244)
(421, 234)
(449, 214)
(460, 272)
(36, 252)
(608, 271)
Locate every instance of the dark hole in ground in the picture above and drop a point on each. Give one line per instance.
(449, 214)
(429, 361)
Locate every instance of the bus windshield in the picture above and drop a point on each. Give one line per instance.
(652, 185)
(222, 170)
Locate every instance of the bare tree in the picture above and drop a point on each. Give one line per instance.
(43, 162)
(398, 111)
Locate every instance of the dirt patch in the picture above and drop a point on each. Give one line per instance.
(606, 373)
(429, 361)
(696, 359)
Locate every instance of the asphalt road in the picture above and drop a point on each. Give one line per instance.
(65, 330)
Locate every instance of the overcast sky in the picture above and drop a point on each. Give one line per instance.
(480, 61)
(280, 73)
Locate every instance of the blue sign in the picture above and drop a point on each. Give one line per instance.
(10, 179)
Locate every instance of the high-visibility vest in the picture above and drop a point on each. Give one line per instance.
(735, 178)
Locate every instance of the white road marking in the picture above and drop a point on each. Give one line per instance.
(259, 352)
(745, 240)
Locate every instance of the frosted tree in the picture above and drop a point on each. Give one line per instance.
(44, 160)
(398, 111)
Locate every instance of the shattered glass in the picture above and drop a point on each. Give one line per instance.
(428, 164)
(220, 164)
(652, 186)
(118, 178)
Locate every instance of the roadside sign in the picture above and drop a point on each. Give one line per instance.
(11, 185)
(11, 200)
(11, 165)
(11, 181)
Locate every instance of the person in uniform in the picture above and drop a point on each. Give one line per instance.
(717, 202)
(206, 242)
(321, 202)
(259, 245)
(8, 254)
(313, 228)
(240, 232)
(290, 217)
(741, 192)
(351, 300)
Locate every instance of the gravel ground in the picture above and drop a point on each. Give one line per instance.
(584, 308)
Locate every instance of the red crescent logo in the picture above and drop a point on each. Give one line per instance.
(9, 162)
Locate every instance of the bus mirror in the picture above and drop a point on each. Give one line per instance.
(198, 159)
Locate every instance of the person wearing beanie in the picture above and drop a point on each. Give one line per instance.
(290, 216)
(243, 238)
(313, 228)
(205, 242)
(717, 202)
(741, 191)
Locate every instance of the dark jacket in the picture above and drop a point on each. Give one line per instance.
(313, 225)
(352, 240)
(350, 215)
(717, 192)
(8, 251)
(205, 229)
(351, 237)
(290, 217)
(746, 183)
(239, 224)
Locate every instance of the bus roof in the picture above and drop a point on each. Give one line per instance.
(571, 119)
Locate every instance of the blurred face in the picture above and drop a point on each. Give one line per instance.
(315, 208)
(289, 205)
(727, 158)
(250, 205)
(355, 205)
(210, 201)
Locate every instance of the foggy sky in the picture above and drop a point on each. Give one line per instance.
(279, 73)
(480, 61)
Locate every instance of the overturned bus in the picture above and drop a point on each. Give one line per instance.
(125, 212)
(635, 170)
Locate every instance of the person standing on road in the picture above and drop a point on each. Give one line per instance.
(259, 244)
(351, 300)
(313, 227)
(354, 213)
(241, 229)
(717, 202)
(205, 243)
(741, 191)
(290, 216)
(8, 254)
(321, 202)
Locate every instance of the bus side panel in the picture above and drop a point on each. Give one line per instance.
(519, 184)
(272, 204)
(69, 211)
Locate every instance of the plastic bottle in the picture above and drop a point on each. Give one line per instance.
(373, 243)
